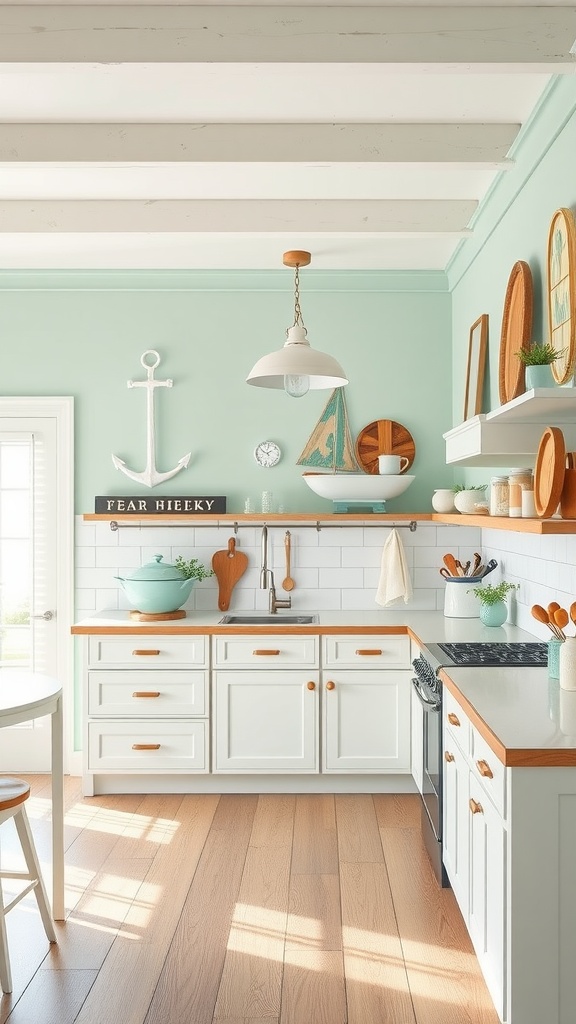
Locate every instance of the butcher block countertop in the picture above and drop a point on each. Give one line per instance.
(524, 716)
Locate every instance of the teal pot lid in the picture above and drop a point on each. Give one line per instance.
(157, 570)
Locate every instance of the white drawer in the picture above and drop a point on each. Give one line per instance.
(386, 651)
(488, 770)
(271, 651)
(147, 652)
(167, 746)
(456, 723)
(147, 694)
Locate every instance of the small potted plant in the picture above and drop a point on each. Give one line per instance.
(493, 607)
(538, 361)
(467, 496)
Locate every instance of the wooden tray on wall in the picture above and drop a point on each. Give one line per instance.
(516, 331)
(562, 293)
(384, 437)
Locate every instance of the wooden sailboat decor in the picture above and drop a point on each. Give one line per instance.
(330, 445)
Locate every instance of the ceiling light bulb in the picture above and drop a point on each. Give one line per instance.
(296, 384)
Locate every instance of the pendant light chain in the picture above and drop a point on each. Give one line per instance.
(298, 321)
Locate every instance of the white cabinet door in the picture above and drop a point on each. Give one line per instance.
(456, 823)
(486, 918)
(266, 721)
(416, 745)
(366, 721)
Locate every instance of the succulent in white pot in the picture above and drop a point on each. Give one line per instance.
(466, 497)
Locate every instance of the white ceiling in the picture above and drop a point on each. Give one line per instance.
(215, 136)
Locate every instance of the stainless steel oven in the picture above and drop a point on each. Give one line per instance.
(428, 688)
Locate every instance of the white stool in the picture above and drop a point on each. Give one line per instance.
(13, 794)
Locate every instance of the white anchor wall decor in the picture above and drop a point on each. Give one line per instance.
(150, 476)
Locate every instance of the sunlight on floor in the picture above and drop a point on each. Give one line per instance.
(127, 824)
(372, 958)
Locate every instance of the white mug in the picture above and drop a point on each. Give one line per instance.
(392, 464)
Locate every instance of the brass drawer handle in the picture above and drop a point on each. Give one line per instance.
(448, 756)
(146, 693)
(475, 807)
(330, 685)
(265, 652)
(485, 769)
(145, 652)
(311, 685)
(368, 651)
(453, 719)
(145, 746)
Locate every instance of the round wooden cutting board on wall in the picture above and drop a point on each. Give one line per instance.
(516, 331)
(384, 437)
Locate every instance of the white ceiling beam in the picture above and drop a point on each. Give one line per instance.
(250, 216)
(462, 144)
(531, 38)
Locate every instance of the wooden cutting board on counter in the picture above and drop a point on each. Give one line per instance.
(384, 437)
(228, 565)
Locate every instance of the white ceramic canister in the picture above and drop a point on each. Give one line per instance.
(567, 664)
(443, 499)
(458, 603)
(517, 479)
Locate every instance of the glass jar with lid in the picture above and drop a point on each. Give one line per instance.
(499, 496)
(518, 480)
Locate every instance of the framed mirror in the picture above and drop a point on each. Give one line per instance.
(475, 370)
(562, 293)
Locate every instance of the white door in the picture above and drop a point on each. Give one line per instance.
(35, 561)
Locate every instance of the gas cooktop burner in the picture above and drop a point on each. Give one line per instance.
(493, 654)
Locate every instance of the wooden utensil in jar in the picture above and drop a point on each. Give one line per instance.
(573, 612)
(288, 583)
(541, 615)
(561, 619)
(451, 564)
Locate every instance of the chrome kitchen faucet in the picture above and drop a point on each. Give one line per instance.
(267, 578)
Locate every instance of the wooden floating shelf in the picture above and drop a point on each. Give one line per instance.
(542, 527)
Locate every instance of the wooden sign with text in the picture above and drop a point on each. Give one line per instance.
(187, 505)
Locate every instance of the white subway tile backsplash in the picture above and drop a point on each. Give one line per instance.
(340, 578)
(338, 567)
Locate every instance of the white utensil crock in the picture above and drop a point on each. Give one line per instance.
(567, 664)
(458, 603)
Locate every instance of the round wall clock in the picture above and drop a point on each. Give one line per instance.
(267, 454)
(562, 293)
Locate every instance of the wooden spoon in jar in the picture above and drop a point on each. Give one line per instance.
(552, 608)
(541, 615)
(561, 619)
(573, 612)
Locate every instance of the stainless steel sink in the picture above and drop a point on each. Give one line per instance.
(268, 620)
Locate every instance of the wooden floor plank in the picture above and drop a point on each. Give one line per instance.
(314, 918)
(314, 991)
(397, 810)
(125, 985)
(315, 847)
(444, 975)
(252, 976)
(376, 980)
(53, 997)
(358, 834)
(189, 981)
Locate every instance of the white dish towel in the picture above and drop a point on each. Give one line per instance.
(394, 584)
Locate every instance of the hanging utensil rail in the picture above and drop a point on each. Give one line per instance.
(412, 525)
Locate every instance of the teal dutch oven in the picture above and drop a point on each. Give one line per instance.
(157, 587)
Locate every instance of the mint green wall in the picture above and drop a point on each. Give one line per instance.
(513, 225)
(83, 334)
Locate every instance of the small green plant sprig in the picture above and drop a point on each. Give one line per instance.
(468, 487)
(492, 595)
(539, 355)
(192, 570)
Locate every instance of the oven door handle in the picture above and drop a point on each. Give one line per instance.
(431, 705)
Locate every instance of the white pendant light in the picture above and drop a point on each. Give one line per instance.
(296, 367)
